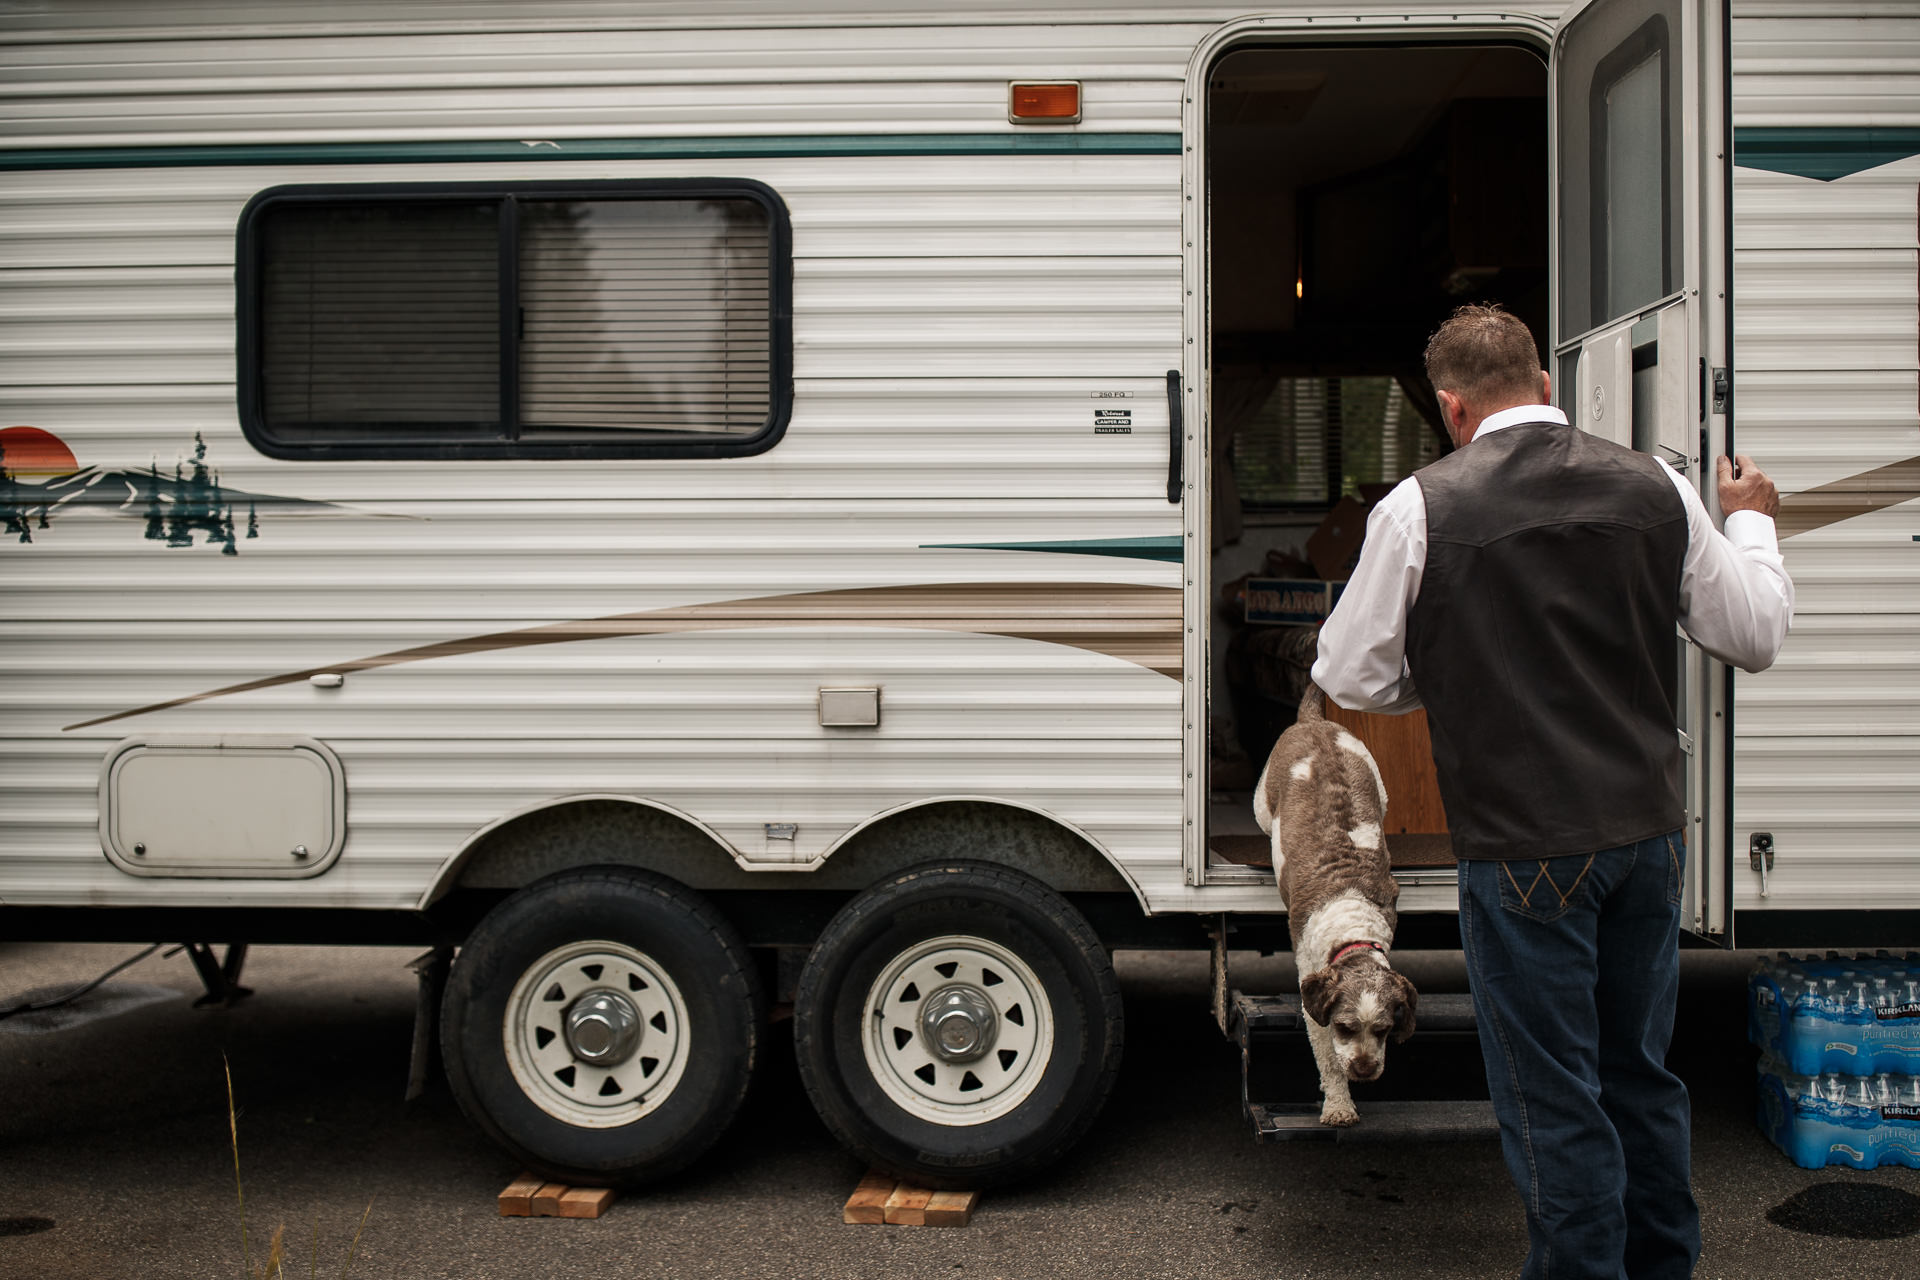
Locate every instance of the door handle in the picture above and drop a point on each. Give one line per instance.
(1175, 430)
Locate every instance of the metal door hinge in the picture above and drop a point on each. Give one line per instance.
(1760, 857)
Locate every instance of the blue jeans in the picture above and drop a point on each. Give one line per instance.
(1575, 965)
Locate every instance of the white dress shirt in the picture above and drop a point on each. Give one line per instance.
(1736, 599)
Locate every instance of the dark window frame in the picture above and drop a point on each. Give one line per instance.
(249, 277)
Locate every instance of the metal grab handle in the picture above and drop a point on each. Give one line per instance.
(1175, 430)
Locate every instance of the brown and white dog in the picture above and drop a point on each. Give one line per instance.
(1322, 800)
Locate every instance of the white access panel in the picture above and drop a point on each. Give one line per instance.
(241, 806)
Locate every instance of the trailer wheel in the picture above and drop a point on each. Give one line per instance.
(958, 1026)
(602, 1025)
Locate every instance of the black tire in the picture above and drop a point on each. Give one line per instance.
(922, 1133)
(662, 1116)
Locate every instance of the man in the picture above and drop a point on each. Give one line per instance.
(1525, 589)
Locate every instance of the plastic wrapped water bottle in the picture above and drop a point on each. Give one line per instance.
(1900, 1123)
(1858, 1016)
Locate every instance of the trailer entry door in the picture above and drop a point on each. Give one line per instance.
(1642, 273)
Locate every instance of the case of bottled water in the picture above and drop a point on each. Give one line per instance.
(1857, 1017)
(1861, 1121)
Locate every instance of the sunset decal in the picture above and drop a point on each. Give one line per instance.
(35, 455)
(29, 458)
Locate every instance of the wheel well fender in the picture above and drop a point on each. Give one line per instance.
(981, 829)
(583, 831)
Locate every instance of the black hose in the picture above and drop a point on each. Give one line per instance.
(35, 1006)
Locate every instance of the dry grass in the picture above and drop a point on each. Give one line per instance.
(274, 1265)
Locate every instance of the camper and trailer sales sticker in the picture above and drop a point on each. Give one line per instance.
(1109, 421)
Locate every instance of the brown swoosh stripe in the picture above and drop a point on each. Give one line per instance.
(1137, 624)
(1827, 504)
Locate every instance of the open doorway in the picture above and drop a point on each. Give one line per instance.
(1356, 195)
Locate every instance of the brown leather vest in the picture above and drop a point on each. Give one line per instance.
(1543, 642)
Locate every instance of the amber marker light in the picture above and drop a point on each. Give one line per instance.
(1055, 102)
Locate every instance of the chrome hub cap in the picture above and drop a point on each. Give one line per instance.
(603, 1028)
(958, 1023)
(596, 1034)
(959, 1030)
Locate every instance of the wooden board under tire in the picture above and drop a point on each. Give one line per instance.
(868, 1203)
(530, 1197)
(881, 1199)
(517, 1200)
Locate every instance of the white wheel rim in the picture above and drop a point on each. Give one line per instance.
(541, 1056)
(1005, 1073)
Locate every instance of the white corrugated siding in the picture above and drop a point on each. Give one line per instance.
(939, 402)
(1827, 349)
(953, 316)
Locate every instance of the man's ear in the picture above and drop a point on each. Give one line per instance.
(1403, 1012)
(1317, 993)
(1546, 387)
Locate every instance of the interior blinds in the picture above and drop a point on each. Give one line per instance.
(1280, 455)
(645, 314)
(381, 313)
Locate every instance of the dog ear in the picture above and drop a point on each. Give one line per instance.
(1404, 1011)
(1318, 991)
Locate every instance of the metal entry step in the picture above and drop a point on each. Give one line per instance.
(1276, 1067)
(1260, 1016)
(1385, 1120)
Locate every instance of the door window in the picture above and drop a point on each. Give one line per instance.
(1620, 245)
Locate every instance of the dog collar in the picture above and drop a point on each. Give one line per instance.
(1351, 947)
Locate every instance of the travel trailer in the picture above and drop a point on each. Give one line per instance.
(683, 510)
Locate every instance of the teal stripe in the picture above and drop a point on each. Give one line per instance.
(929, 144)
(1825, 154)
(1155, 548)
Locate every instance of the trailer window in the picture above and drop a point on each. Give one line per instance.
(1315, 440)
(570, 320)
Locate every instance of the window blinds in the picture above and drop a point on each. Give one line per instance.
(644, 315)
(637, 316)
(381, 314)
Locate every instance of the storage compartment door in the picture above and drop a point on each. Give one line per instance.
(240, 806)
(1641, 269)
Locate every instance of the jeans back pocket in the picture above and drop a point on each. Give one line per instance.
(1545, 888)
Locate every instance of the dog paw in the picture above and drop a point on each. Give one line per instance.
(1339, 1117)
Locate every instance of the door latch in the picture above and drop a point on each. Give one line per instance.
(1760, 857)
(1722, 390)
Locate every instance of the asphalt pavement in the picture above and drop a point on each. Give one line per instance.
(116, 1156)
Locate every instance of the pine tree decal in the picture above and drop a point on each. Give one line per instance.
(13, 502)
(156, 523)
(253, 521)
(179, 531)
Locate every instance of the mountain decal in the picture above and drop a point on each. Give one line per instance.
(41, 480)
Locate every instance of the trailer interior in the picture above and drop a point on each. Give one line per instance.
(1356, 196)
